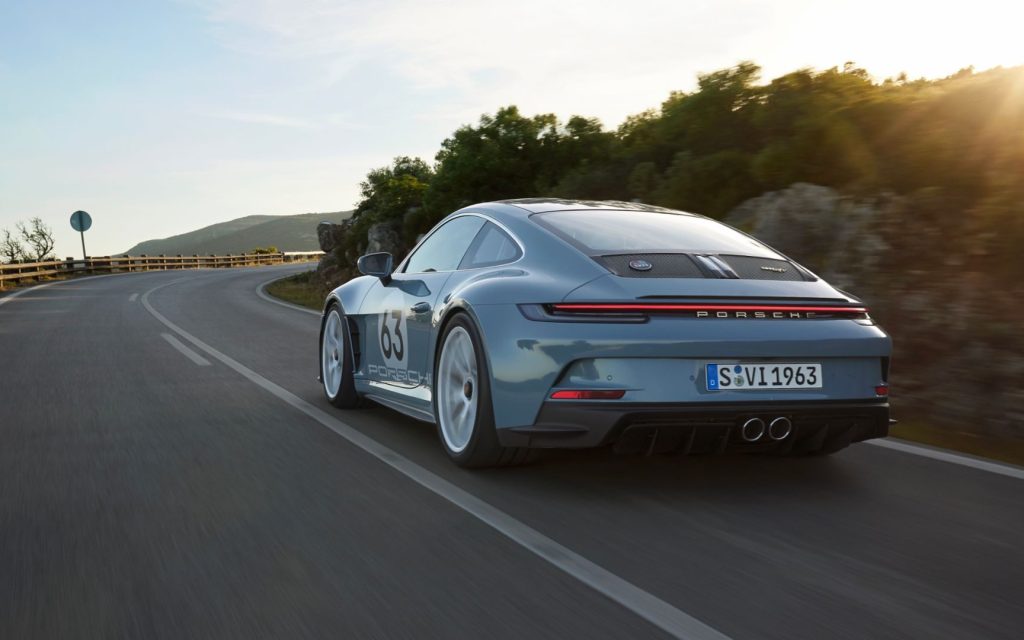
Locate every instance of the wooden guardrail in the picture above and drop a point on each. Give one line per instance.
(18, 271)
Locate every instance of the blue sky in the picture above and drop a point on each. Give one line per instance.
(162, 117)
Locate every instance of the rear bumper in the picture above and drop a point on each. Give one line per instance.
(664, 360)
(699, 427)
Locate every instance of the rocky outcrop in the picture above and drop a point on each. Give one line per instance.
(335, 267)
(330, 235)
(921, 268)
(339, 261)
(384, 236)
(840, 238)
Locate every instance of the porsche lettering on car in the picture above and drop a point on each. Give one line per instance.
(530, 324)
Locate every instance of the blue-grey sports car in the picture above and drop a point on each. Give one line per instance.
(540, 323)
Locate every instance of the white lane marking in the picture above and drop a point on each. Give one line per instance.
(261, 292)
(11, 296)
(649, 607)
(133, 297)
(20, 292)
(188, 353)
(955, 458)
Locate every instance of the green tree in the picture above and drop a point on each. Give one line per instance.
(959, 140)
(809, 133)
(392, 194)
(506, 155)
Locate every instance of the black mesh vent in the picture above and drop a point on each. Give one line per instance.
(751, 268)
(663, 265)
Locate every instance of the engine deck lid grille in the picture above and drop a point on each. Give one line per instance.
(754, 268)
(652, 265)
(702, 265)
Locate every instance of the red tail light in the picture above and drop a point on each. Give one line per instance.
(585, 394)
(882, 390)
(749, 308)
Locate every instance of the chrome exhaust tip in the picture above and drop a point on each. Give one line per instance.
(753, 429)
(780, 428)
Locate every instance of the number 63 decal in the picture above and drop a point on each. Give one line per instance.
(392, 342)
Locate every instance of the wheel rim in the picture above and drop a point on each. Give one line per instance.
(457, 389)
(332, 353)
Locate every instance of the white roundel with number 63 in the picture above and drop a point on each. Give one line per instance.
(392, 334)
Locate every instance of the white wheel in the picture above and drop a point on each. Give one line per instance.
(462, 400)
(336, 360)
(332, 354)
(458, 396)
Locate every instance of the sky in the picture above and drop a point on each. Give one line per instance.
(162, 117)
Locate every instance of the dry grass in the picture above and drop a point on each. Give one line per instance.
(1003, 449)
(301, 289)
(11, 286)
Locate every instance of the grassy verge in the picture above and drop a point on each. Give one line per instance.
(1002, 449)
(11, 287)
(301, 289)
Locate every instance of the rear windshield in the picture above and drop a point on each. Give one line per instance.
(601, 232)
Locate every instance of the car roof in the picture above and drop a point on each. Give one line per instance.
(541, 205)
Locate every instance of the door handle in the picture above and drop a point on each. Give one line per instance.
(421, 307)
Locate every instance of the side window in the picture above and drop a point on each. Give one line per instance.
(491, 247)
(444, 249)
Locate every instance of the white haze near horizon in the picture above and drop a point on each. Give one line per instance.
(162, 118)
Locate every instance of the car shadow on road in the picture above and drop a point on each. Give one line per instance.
(602, 475)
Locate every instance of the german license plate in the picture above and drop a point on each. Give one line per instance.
(751, 377)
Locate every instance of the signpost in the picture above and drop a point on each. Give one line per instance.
(80, 222)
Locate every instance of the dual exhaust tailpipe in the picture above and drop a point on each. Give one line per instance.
(755, 428)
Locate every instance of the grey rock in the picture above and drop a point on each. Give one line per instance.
(324, 236)
(384, 236)
(330, 235)
(334, 267)
(794, 220)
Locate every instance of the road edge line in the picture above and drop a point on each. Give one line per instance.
(262, 293)
(945, 455)
(661, 614)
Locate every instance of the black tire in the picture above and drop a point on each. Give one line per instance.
(345, 396)
(483, 448)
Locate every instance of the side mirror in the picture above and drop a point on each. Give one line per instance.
(379, 265)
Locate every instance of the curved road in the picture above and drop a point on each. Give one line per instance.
(168, 469)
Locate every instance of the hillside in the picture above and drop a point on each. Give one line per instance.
(287, 233)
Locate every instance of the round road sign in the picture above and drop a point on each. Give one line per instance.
(81, 221)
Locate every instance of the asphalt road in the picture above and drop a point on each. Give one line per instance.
(168, 469)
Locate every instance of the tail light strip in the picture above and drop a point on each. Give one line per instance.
(642, 307)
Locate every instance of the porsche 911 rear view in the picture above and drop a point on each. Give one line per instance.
(530, 324)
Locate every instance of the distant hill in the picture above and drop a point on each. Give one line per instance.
(287, 233)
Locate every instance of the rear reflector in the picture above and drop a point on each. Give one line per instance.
(643, 307)
(584, 394)
(882, 390)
